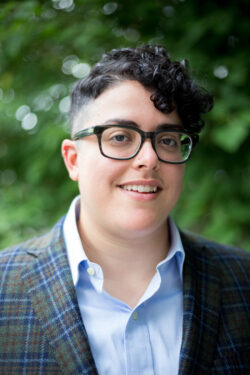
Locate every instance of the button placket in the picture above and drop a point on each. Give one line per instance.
(137, 340)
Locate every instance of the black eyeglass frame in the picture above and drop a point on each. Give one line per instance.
(99, 129)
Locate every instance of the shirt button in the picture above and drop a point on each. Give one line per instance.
(91, 271)
(135, 315)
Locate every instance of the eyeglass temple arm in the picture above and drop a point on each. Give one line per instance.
(83, 133)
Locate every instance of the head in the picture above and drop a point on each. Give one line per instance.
(170, 82)
(140, 86)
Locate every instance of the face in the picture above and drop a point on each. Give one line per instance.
(107, 201)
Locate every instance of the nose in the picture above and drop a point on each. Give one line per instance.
(147, 157)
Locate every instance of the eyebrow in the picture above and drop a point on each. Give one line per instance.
(132, 123)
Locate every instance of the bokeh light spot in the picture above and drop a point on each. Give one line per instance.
(80, 70)
(43, 103)
(29, 121)
(57, 91)
(221, 72)
(22, 112)
(64, 105)
(168, 11)
(132, 35)
(68, 63)
(109, 8)
(67, 5)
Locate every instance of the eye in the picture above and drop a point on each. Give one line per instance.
(119, 138)
(168, 141)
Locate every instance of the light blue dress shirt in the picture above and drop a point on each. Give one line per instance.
(145, 340)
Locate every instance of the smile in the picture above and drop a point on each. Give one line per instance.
(140, 188)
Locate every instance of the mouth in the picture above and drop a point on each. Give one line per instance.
(141, 188)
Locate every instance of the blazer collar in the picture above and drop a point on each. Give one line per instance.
(201, 303)
(49, 285)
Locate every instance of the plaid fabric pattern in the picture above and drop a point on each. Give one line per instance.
(41, 331)
(216, 335)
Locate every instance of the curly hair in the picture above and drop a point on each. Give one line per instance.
(170, 82)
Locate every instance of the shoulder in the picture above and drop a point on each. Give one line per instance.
(18, 255)
(231, 263)
(197, 242)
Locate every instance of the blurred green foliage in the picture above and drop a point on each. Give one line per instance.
(45, 46)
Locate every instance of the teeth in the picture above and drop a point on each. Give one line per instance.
(140, 188)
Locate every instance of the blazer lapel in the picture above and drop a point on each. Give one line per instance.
(201, 302)
(52, 294)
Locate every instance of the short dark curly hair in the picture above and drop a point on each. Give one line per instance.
(171, 84)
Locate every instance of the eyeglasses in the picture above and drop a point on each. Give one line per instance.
(172, 144)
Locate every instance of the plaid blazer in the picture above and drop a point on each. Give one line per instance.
(41, 330)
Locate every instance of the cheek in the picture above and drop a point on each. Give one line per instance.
(180, 173)
(98, 174)
(174, 177)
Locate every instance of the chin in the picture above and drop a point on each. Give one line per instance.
(142, 226)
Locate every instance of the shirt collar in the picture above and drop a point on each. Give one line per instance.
(176, 248)
(76, 253)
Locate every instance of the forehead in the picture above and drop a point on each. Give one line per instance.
(127, 100)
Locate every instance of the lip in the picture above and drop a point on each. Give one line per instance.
(143, 182)
(144, 197)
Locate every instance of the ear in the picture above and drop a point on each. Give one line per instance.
(70, 156)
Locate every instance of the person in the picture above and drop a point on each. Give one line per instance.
(116, 287)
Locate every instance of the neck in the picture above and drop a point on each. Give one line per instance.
(128, 263)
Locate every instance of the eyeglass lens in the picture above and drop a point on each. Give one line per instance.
(122, 143)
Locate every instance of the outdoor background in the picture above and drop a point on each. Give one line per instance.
(45, 46)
